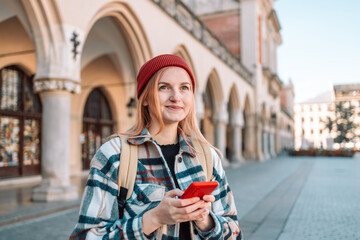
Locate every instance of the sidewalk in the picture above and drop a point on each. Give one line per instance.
(296, 198)
(16, 205)
(286, 198)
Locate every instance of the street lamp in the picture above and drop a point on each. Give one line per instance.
(131, 105)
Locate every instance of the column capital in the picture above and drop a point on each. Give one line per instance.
(51, 84)
(237, 119)
(222, 115)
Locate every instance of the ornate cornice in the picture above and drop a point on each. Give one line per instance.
(191, 23)
(275, 85)
(41, 85)
(347, 92)
(286, 112)
(267, 72)
(274, 19)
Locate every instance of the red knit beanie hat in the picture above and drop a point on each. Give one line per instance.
(155, 64)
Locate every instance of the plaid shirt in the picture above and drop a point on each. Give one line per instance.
(99, 215)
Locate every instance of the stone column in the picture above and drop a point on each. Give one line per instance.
(221, 121)
(220, 140)
(271, 148)
(266, 143)
(259, 138)
(237, 144)
(278, 140)
(272, 145)
(55, 143)
(199, 107)
(237, 123)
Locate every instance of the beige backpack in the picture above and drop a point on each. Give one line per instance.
(128, 168)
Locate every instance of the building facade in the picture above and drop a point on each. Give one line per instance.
(68, 81)
(310, 122)
(312, 118)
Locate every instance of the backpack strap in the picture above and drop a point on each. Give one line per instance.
(127, 172)
(128, 168)
(204, 156)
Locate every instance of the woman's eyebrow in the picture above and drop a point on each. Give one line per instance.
(169, 83)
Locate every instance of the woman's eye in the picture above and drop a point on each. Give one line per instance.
(184, 88)
(163, 87)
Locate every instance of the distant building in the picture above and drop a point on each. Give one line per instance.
(312, 116)
(286, 123)
(310, 121)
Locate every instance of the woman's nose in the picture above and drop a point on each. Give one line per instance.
(175, 96)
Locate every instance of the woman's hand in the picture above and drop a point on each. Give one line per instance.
(206, 222)
(171, 211)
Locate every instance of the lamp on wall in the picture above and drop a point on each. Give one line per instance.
(131, 105)
(273, 118)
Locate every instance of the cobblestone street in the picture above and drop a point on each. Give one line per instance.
(285, 198)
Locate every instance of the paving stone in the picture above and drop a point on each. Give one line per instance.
(328, 207)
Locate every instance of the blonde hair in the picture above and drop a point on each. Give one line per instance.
(188, 125)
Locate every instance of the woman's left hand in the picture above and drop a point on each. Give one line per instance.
(206, 222)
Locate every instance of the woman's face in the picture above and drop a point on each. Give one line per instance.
(175, 95)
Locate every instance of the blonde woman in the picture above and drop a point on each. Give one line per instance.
(167, 164)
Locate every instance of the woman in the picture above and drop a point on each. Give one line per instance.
(167, 164)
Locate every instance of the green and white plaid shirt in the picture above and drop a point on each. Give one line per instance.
(99, 214)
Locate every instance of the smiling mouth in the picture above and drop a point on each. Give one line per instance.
(174, 107)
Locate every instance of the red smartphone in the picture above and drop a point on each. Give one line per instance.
(199, 189)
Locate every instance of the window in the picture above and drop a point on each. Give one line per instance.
(20, 124)
(97, 125)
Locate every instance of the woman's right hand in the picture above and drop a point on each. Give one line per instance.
(171, 210)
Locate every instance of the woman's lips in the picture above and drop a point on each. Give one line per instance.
(174, 107)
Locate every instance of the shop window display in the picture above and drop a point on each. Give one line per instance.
(97, 125)
(20, 124)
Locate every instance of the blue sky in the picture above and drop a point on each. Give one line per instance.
(321, 44)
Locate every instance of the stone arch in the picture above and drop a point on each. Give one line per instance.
(212, 98)
(110, 81)
(234, 100)
(182, 51)
(101, 72)
(214, 86)
(248, 130)
(18, 11)
(235, 121)
(16, 46)
(129, 24)
(43, 16)
(124, 48)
